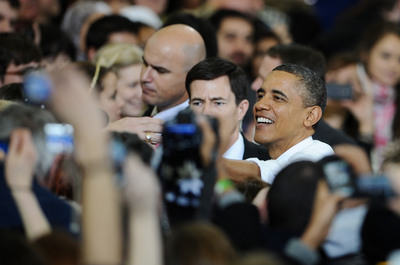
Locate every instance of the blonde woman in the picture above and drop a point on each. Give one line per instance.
(126, 59)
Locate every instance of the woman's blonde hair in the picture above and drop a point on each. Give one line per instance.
(119, 55)
(116, 56)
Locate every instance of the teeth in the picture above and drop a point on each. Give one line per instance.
(264, 120)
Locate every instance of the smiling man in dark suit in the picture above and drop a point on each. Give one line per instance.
(218, 88)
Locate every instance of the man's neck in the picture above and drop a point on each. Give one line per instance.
(232, 140)
(276, 149)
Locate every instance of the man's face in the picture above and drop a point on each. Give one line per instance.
(8, 17)
(163, 75)
(279, 111)
(215, 98)
(235, 40)
(267, 65)
(15, 73)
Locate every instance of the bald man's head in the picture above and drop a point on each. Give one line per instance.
(169, 54)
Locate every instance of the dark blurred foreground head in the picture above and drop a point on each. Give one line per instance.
(198, 243)
(291, 196)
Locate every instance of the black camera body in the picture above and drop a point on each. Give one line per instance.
(181, 146)
(181, 170)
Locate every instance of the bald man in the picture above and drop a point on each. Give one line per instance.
(169, 55)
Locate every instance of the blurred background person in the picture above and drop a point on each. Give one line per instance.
(8, 15)
(127, 61)
(107, 29)
(374, 80)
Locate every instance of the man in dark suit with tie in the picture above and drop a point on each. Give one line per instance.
(218, 88)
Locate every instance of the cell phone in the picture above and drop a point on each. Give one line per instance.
(339, 91)
(59, 138)
(339, 176)
(374, 186)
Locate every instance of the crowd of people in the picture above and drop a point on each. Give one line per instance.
(221, 132)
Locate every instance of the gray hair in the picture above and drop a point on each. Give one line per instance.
(31, 118)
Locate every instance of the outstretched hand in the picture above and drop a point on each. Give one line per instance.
(142, 126)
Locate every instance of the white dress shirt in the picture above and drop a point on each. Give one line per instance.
(171, 113)
(308, 149)
(236, 151)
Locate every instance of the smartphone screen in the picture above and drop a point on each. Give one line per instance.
(339, 91)
(339, 177)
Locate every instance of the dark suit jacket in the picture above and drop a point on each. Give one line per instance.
(148, 112)
(255, 150)
(325, 133)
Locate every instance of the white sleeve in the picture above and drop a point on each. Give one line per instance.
(268, 168)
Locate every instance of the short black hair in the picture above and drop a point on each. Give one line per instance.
(301, 55)
(217, 18)
(291, 196)
(13, 92)
(201, 25)
(101, 29)
(313, 92)
(212, 68)
(265, 34)
(55, 41)
(17, 49)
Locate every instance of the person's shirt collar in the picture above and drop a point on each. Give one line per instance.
(170, 113)
(236, 151)
(296, 148)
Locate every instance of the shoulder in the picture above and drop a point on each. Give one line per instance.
(314, 152)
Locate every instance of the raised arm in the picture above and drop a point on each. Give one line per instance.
(19, 167)
(240, 170)
(143, 196)
(101, 225)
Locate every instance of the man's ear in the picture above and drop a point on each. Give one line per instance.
(314, 114)
(243, 107)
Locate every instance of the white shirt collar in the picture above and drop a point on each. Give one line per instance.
(236, 151)
(170, 113)
(296, 148)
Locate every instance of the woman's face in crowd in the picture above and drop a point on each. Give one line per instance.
(110, 102)
(384, 60)
(130, 91)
